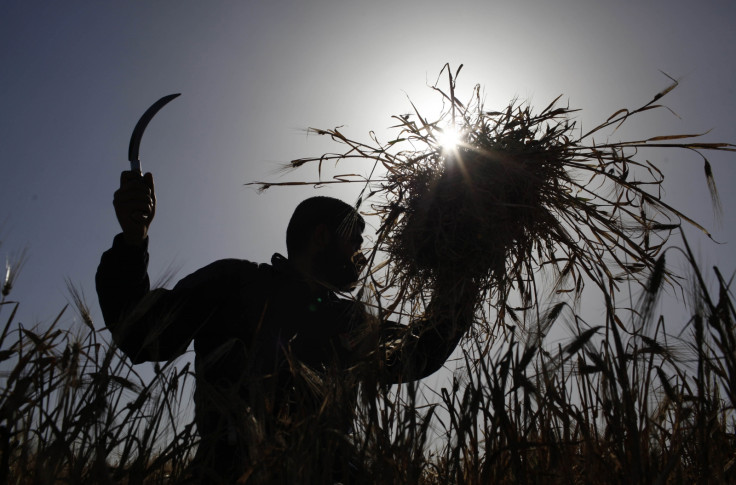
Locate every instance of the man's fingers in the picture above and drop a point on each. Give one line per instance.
(135, 179)
(124, 197)
(135, 201)
(148, 179)
(135, 204)
(132, 185)
(129, 175)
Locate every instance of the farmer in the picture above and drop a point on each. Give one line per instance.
(266, 336)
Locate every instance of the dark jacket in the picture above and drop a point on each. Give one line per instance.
(252, 326)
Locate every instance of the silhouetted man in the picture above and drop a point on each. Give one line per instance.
(268, 337)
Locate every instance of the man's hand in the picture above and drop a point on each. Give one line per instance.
(135, 206)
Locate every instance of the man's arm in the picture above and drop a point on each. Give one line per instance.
(122, 276)
(122, 281)
(415, 351)
(159, 325)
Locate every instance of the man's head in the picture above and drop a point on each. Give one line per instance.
(322, 237)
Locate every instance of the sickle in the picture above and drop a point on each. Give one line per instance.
(140, 127)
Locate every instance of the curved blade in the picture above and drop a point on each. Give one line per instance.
(140, 127)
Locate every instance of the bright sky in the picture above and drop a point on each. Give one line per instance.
(77, 76)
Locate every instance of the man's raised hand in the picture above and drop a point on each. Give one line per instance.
(135, 205)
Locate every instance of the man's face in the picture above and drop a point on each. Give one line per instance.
(340, 261)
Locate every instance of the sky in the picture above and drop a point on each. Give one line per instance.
(77, 76)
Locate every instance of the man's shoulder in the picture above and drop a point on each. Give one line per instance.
(233, 264)
(242, 268)
(224, 273)
(245, 271)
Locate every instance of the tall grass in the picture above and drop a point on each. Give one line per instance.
(72, 410)
(623, 401)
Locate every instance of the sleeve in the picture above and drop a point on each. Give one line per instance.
(158, 325)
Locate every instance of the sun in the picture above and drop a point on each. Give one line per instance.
(448, 138)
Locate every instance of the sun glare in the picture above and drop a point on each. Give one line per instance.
(448, 138)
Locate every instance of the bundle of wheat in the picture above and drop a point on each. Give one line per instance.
(517, 192)
(473, 205)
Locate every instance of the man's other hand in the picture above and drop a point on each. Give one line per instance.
(135, 206)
